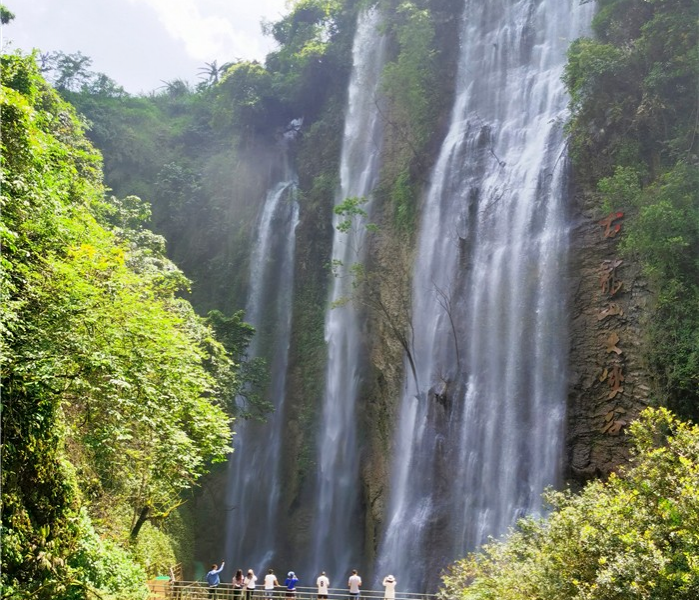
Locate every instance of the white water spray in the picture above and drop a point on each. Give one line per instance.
(338, 532)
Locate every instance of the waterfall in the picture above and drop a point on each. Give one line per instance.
(338, 529)
(254, 478)
(480, 433)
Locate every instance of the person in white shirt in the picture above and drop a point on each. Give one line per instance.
(270, 583)
(323, 584)
(354, 583)
(389, 582)
(249, 583)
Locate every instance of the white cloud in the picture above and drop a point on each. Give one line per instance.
(213, 29)
(141, 43)
(202, 36)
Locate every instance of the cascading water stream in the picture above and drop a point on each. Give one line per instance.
(480, 433)
(254, 478)
(338, 537)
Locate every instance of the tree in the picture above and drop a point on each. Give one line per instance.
(111, 384)
(6, 15)
(244, 394)
(210, 72)
(634, 140)
(309, 61)
(70, 71)
(631, 537)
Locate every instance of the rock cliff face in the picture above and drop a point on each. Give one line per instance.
(609, 385)
(389, 304)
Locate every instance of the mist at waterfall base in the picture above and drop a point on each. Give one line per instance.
(480, 425)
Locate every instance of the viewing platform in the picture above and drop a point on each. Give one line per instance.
(199, 590)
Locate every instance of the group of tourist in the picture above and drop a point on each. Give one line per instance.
(247, 584)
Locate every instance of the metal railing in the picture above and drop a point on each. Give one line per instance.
(199, 590)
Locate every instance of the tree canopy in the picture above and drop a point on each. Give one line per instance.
(111, 384)
(631, 537)
(635, 142)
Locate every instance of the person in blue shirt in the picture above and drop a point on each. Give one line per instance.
(290, 583)
(213, 578)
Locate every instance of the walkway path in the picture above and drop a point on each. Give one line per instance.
(198, 590)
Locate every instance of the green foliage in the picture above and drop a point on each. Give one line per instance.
(634, 94)
(77, 568)
(319, 171)
(105, 567)
(404, 198)
(131, 133)
(353, 218)
(110, 382)
(211, 72)
(6, 15)
(665, 237)
(665, 233)
(352, 214)
(636, 86)
(154, 550)
(70, 72)
(244, 394)
(418, 86)
(314, 53)
(602, 82)
(620, 190)
(411, 80)
(244, 101)
(632, 537)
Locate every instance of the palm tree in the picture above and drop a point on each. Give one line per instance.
(210, 72)
(176, 88)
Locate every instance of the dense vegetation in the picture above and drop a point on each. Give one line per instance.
(114, 391)
(634, 138)
(631, 537)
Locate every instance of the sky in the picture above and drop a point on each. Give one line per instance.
(141, 44)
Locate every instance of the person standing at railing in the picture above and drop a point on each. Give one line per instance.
(238, 582)
(389, 583)
(249, 583)
(354, 583)
(270, 583)
(290, 583)
(323, 584)
(213, 579)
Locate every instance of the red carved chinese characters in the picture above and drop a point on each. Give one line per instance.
(611, 227)
(609, 284)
